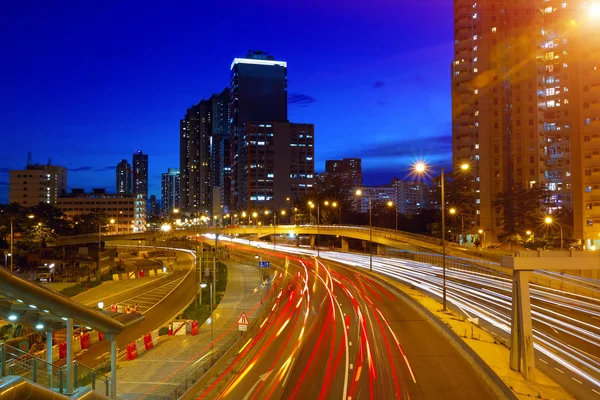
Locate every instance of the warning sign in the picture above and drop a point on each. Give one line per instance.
(243, 320)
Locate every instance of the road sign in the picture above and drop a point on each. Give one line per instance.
(243, 320)
(264, 264)
(243, 328)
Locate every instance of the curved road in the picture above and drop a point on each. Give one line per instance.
(334, 333)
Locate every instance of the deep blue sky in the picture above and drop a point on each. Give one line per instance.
(87, 83)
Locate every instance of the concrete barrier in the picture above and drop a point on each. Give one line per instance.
(140, 346)
(55, 353)
(76, 345)
(94, 337)
(131, 275)
(115, 277)
(152, 273)
(155, 337)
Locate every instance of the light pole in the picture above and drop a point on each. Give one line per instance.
(6, 259)
(532, 236)
(550, 221)
(12, 240)
(359, 193)
(482, 232)
(453, 211)
(420, 168)
(212, 329)
(391, 204)
(334, 205)
(312, 205)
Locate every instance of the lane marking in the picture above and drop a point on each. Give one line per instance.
(576, 380)
(545, 362)
(594, 390)
(559, 370)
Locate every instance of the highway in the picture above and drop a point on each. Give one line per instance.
(333, 333)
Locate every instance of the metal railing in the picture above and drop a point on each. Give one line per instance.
(14, 361)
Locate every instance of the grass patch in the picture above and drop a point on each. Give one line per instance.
(79, 288)
(202, 312)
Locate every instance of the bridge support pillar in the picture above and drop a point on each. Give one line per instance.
(49, 355)
(313, 239)
(69, 360)
(521, 335)
(381, 249)
(345, 244)
(297, 241)
(113, 366)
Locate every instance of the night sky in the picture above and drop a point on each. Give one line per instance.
(87, 83)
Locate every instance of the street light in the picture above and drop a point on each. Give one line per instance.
(531, 235)
(453, 211)
(421, 168)
(360, 193)
(549, 221)
(212, 330)
(334, 205)
(482, 232)
(391, 204)
(6, 259)
(254, 215)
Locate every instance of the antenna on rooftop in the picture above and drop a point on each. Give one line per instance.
(49, 161)
(29, 157)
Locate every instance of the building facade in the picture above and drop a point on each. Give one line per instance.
(140, 174)
(37, 184)
(519, 73)
(258, 93)
(278, 163)
(410, 196)
(127, 210)
(220, 144)
(124, 177)
(341, 175)
(170, 191)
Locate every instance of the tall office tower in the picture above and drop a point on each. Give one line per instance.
(278, 163)
(258, 93)
(170, 191)
(140, 174)
(195, 157)
(220, 151)
(518, 99)
(343, 176)
(124, 177)
(154, 206)
(37, 184)
(410, 196)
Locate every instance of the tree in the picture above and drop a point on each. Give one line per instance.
(520, 209)
(88, 223)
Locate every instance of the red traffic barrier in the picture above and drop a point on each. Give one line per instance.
(194, 330)
(148, 341)
(62, 350)
(85, 341)
(100, 336)
(131, 351)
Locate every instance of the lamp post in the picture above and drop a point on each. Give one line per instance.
(212, 329)
(391, 204)
(6, 259)
(254, 215)
(550, 221)
(334, 205)
(421, 168)
(360, 193)
(12, 240)
(482, 232)
(312, 205)
(453, 211)
(531, 235)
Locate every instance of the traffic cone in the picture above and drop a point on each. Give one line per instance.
(170, 329)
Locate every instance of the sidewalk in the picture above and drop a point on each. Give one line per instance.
(157, 372)
(110, 289)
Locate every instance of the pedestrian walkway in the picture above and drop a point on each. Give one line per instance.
(157, 372)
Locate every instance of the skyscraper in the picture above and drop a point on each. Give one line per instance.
(521, 75)
(220, 144)
(140, 174)
(124, 177)
(201, 131)
(170, 191)
(258, 94)
(341, 175)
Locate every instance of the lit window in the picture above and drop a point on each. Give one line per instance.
(475, 70)
(494, 30)
(475, 91)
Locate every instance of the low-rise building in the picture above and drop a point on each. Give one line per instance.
(127, 210)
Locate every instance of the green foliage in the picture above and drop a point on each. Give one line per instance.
(79, 288)
(520, 210)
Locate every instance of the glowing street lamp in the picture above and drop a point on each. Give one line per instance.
(549, 221)
(391, 204)
(453, 211)
(360, 193)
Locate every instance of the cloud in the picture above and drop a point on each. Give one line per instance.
(108, 168)
(378, 84)
(412, 147)
(301, 99)
(80, 169)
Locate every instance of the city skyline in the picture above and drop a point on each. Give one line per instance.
(128, 92)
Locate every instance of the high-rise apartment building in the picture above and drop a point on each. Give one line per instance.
(519, 75)
(341, 175)
(278, 163)
(258, 93)
(410, 196)
(37, 184)
(220, 150)
(140, 174)
(124, 177)
(170, 191)
(204, 133)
